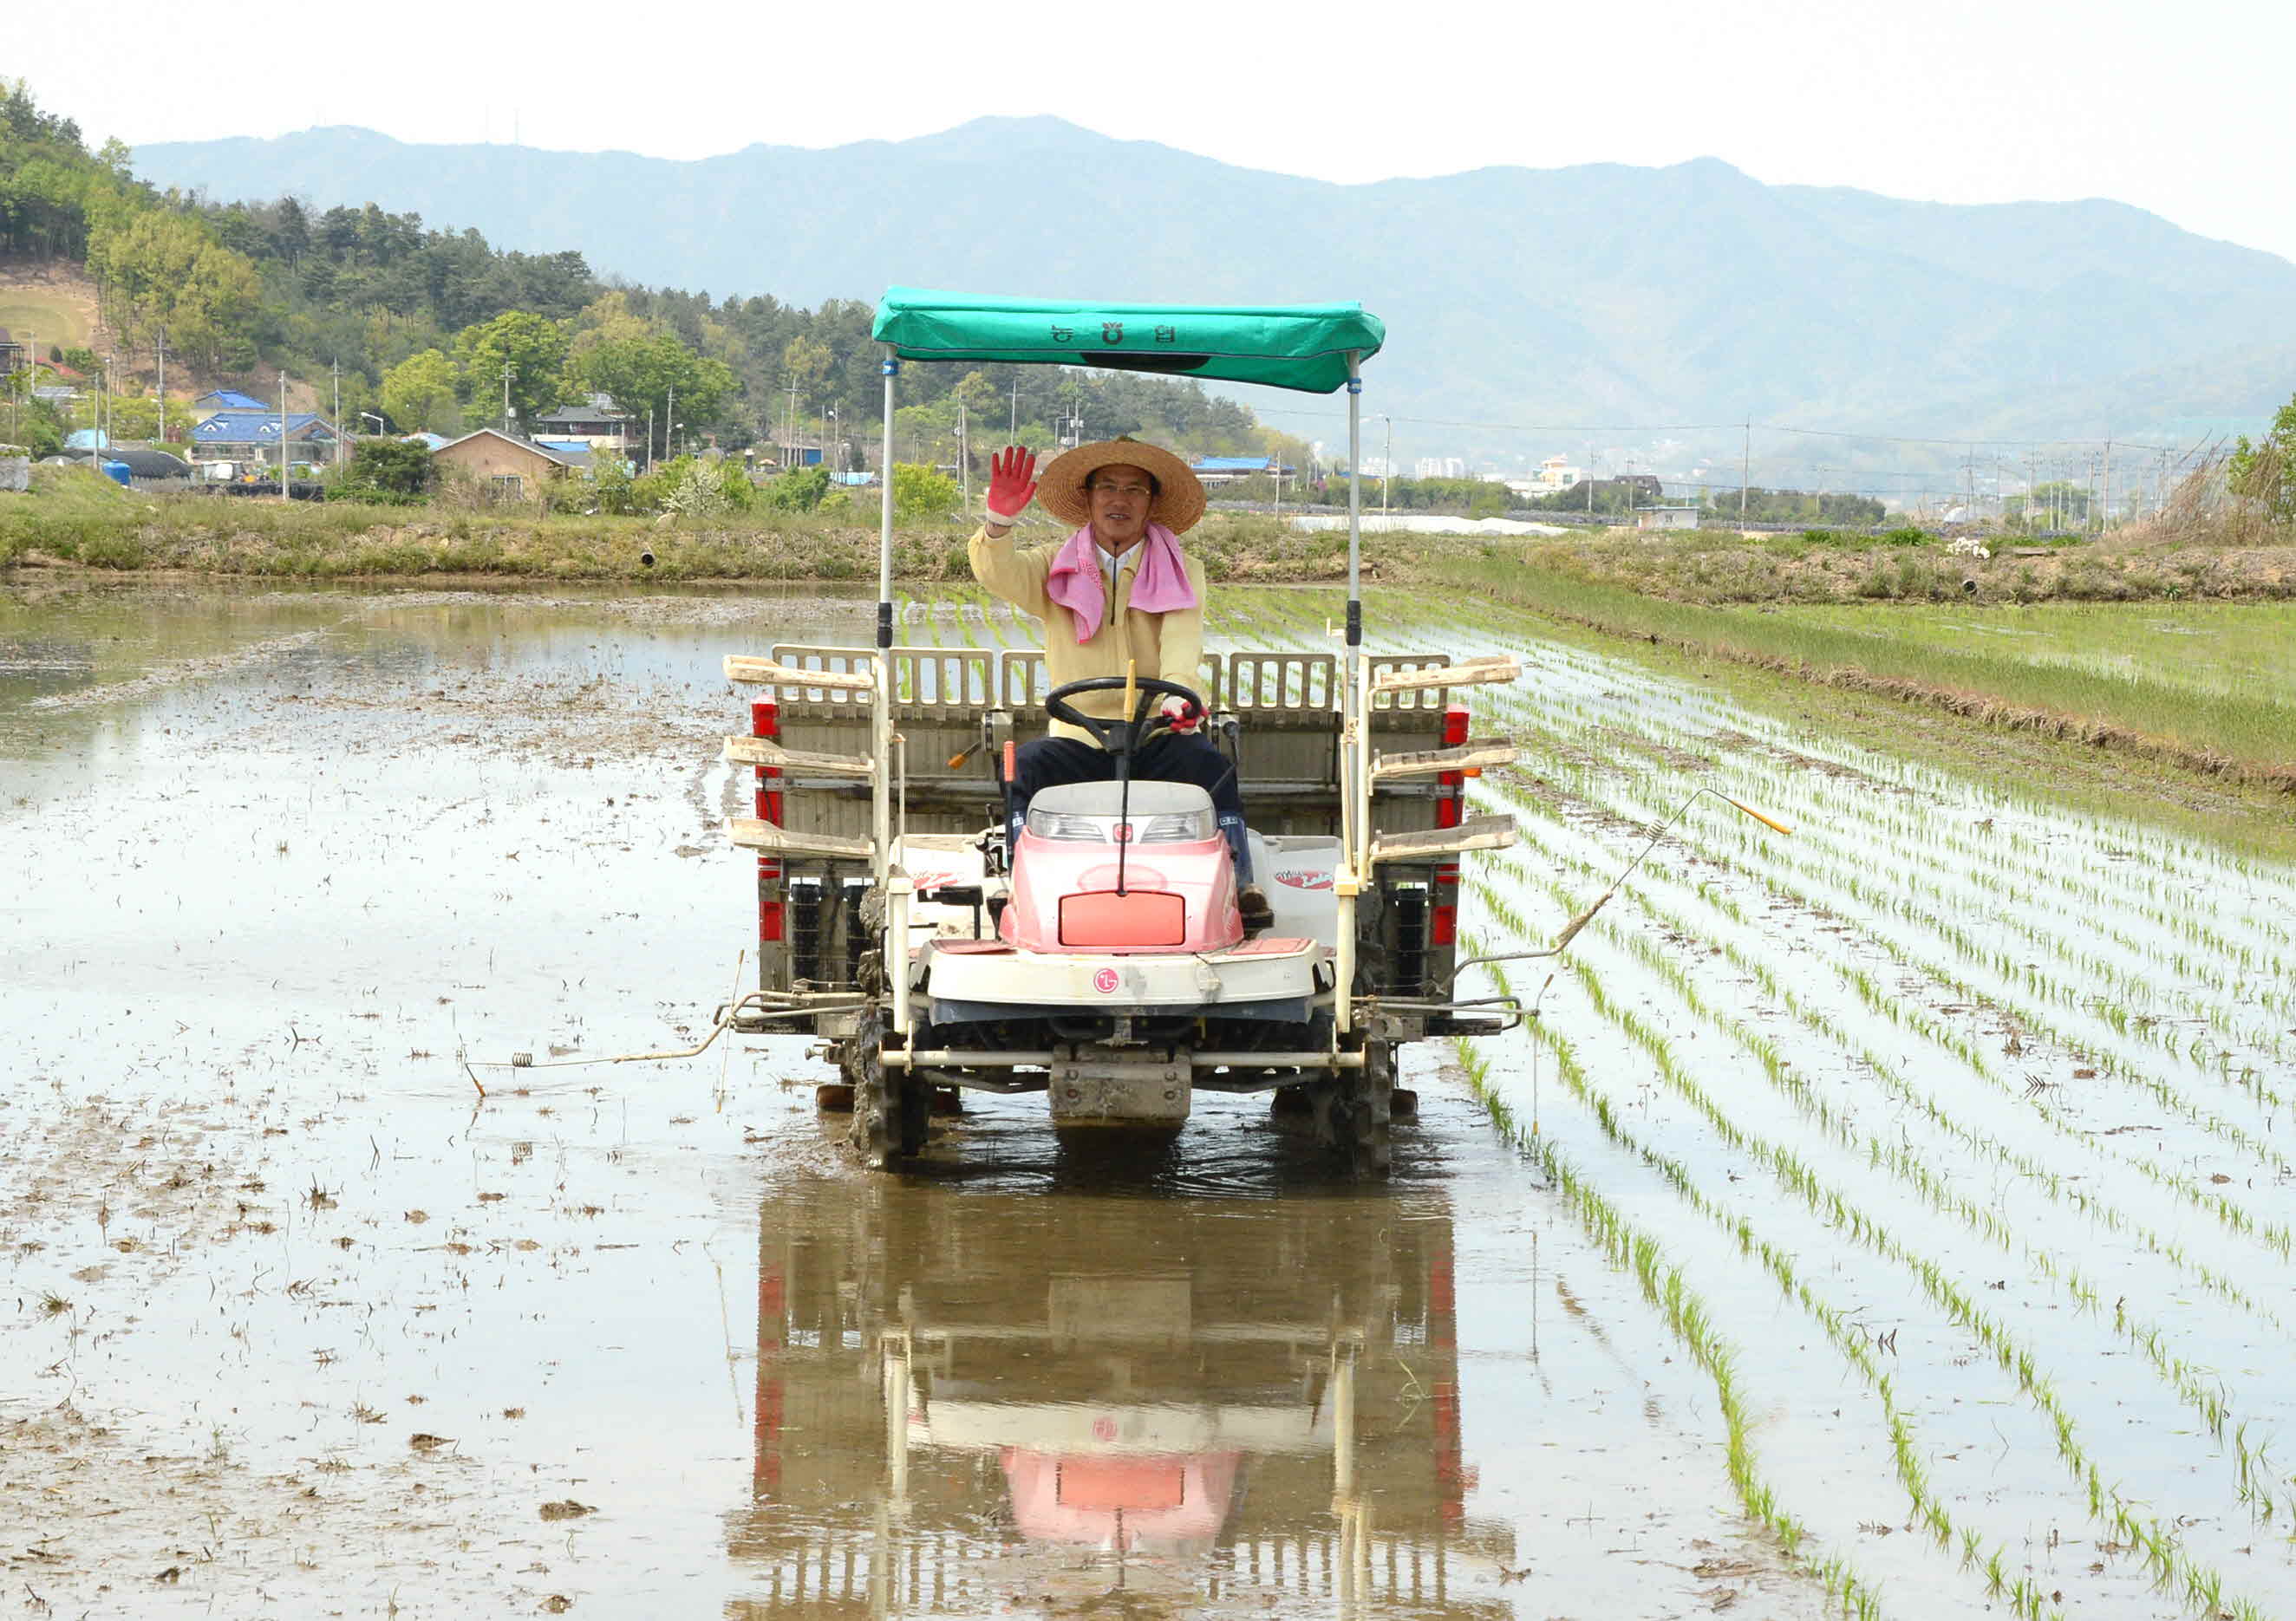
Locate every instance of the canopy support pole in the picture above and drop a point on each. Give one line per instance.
(880, 784)
(1355, 496)
(1354, 724)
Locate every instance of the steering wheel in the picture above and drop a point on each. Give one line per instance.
(1107, 731)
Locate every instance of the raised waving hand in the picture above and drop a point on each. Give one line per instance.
(1011, 485)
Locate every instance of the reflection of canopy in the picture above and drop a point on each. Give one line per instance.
(1165, 1502)
(1295, 346)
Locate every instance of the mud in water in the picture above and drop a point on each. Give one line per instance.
(293, 1322)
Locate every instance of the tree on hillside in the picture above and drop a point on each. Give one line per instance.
(418, 394)
(516, 353)
(162, 272)
(806, 364)
(645, 372)
(45, 174)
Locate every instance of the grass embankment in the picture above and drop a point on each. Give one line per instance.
(2242, 730)
(2134, 564)
(71, 517)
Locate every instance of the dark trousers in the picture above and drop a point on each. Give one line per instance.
(1174, 757)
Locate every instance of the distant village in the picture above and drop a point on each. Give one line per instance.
(233, 442)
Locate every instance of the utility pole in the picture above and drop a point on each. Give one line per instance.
(2105, 516)
(159, 348)
(1013, 431)
(964, 461)
(1387, 466)
(337, 366)
(1745, 456)
(508, 373)
(286, 489)
(668, 415)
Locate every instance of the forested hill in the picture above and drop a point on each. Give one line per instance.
(1602, 293)
(423, 322)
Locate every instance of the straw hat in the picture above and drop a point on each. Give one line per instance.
(1179, 502)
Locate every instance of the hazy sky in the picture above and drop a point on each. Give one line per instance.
(2184, 110)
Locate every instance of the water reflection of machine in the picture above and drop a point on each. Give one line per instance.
(973, 1401)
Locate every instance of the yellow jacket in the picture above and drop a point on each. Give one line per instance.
(1168, 645)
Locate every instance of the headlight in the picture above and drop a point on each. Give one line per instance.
(1058, 825)
(1177, 827)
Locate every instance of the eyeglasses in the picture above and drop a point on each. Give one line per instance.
(1120, 489)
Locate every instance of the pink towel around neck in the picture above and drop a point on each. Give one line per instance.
(1076, 584)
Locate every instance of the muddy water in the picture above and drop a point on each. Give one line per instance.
(293, 1319)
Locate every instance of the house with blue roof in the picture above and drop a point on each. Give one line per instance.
(577, 454)
(1227, 470)
(253, 436)
(229, 399)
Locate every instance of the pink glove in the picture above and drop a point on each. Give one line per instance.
(1184, 715)
(1011, 485)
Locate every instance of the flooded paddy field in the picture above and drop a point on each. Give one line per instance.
(1895, 1214)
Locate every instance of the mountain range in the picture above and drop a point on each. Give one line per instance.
(1625, 304)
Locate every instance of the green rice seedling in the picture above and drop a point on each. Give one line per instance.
(2012, 1356)
(1739, 1452)
(2277, 1236)
(2210, 1402)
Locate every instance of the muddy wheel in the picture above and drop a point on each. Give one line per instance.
(891, 1112)
(1355, 1117)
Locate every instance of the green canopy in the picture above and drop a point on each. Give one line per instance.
(1295, 346)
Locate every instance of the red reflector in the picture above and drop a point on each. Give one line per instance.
(1454, 725)
(1447, 811)
(1145, 917)
(1443, 930)
(769, 921)
(766, 721)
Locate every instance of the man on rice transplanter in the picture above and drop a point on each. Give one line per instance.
(1126, 598)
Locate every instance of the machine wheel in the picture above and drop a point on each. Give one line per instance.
(891, 1112)
(1355, 1117)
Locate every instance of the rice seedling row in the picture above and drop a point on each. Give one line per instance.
(1727, 932)
(1907, 1011)
(1964, 970)
(1887, 1012)
(1908, 1162)
(1994, 1341)
(1911, 1562)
